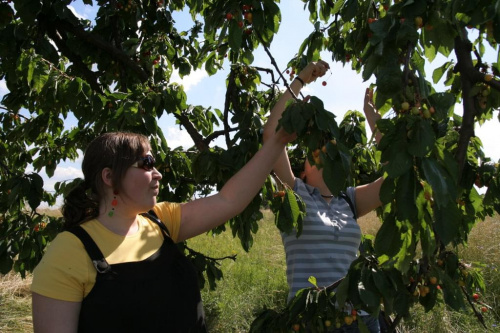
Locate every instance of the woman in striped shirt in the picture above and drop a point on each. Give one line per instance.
(331, 236)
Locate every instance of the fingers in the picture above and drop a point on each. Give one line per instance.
(320, 69)
(369, 96)
(314, 70)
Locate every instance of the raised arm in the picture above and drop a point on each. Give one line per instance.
(367, 196)
(201, 215)
(371, 114)
(309, 74)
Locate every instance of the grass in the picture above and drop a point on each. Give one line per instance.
(257, 279)
(15, 304)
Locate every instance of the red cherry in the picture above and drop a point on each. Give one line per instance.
(229, 16)
(324, 83)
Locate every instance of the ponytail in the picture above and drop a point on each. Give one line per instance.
(80, 205)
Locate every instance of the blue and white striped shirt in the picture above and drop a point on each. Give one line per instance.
(328, 244)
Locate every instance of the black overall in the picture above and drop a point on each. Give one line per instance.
(159, 294)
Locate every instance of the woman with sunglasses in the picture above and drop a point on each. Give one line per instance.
(116, 270)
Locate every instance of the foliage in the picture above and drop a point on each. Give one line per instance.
(114, 73)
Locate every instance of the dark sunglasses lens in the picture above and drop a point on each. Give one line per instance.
(147, 163)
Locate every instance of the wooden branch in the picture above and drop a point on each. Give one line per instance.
(469, 76)
(192, 131)
(97, 42)
(215, 260)
(231, 87)
(90, 77)
(216, 134)
(478, 315)
(273, 62)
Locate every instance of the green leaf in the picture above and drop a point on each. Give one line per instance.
(423, 139)
(439, 71)
(406, 197)
(35, 190)
(400, 160)
(452, 293)
(6, 263)
(313, 281)
(28, 10)
(334, 174)
(441, 181)
(388, 240)
(447, 222)
(342, 290)
(235, 37)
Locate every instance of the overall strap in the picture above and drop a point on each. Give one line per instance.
(100, 264)
(349, 201)
(153, 217)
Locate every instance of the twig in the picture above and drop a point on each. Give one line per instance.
(273, 62)
(476, 313)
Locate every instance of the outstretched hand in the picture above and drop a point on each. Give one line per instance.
(314, 70)
(368, 102)
(371, 114)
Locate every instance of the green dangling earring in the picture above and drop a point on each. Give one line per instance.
(114, 203)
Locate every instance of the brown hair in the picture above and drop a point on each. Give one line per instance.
(117, 151)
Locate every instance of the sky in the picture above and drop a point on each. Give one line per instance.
(344, 90)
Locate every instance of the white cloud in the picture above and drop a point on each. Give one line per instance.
(80, 16)
(62, 173)
(3, 88)
(488, 133)
(190, 80)
(178, 138)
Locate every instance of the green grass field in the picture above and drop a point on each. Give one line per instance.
(257, 279)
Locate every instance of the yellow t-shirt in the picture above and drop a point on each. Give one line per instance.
(66, 271)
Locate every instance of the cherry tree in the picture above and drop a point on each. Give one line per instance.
(115, 73)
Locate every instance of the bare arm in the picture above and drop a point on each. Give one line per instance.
(368, 196)
(309, 74)
(371, 114)
(54, 316)
(201, 215)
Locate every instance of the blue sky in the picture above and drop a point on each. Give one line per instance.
(344, 90)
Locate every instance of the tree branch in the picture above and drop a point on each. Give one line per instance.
(478, 315)
(216, 134)
(469, 76)
(96, 41)
(59, 40)
(273, 62)
(193, 132)
(231, 88)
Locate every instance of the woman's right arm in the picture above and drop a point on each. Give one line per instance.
(309, 74)
(54, 316)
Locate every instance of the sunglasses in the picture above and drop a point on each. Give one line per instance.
(147, 163)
